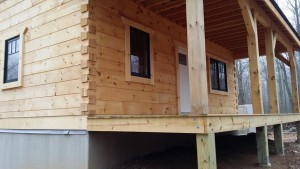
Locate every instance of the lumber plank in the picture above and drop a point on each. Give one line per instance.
(278, 138)
(197, 57)
(263, 158)
(206, 151)
(270, 41)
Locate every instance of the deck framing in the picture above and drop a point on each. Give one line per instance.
(196, 124)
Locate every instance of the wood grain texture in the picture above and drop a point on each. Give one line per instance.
(206, 151)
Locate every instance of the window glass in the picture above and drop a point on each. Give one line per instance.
(139, 53)
(11, 60)
(218, 75)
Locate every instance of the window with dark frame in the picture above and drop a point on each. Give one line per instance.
(218, 75)
(139, 53)
(11, 63)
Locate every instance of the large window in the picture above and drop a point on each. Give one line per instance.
(218, 75)
(11, 60)
(139, 53)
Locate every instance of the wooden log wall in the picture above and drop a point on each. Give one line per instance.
(114, 95)
(52, 57)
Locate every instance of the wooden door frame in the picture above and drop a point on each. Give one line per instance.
(178, 46)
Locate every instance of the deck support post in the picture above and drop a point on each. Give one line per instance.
(253, 52)
(298, 131)
(262, 146)
(197, 57)
(278, 138)
(270, 43)
(206, 151)
(294, 80)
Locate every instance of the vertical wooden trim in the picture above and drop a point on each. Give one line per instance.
(278, 138)
(197, 57)
(294, 80)
(262, 146)
(127, 53)
(298, 131)
(206, 151)
(270, 42)
(253, 52)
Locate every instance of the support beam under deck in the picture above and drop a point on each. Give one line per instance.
(206, 151)
(278, 138)
(262, 146)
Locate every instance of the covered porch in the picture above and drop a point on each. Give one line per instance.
(249, 29)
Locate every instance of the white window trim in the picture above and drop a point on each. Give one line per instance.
(128, 77)
(212, 91)
(19, 83)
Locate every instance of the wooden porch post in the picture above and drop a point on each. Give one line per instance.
(262, 146)
(294, 80)
(278, 138)
(298, 131)
(257, 103)
(206, 151)
(253, 52)
(270, 43)
(197, 57)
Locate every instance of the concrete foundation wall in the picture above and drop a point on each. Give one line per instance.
(92, 150)
(108, 150)
(43, 151)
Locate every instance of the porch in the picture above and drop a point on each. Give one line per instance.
(245, 28)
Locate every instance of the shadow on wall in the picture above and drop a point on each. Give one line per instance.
(108, 150)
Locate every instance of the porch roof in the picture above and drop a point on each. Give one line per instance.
(224, 22)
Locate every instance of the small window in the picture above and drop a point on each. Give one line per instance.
(11, 62)
(139, 53)
(139, 66)
(218, 75)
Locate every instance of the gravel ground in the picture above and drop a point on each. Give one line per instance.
(232, 153)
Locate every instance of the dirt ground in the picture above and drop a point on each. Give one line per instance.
(232, 153)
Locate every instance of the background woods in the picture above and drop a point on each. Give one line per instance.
(292, 10)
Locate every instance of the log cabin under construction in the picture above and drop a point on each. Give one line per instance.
(83, 82)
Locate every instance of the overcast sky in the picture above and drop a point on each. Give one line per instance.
(282, 4)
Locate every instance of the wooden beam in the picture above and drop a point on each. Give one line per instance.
(206, 151)
(288, 28)
(282, 59)
(298, 131)
(294, 80)
(184, 124)
(263, 158)
(278, 138)
(270, 40)
(253, 53)
(197, 57)
(265, 20)
(46, 123)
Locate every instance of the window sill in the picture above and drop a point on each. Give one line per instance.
(219, 92)
(141, 80)
(10, 85)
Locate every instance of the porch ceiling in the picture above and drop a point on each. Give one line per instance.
(224, 23)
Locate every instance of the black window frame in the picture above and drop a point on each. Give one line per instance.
(218, 75)
(147, 73)
(6, 55)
